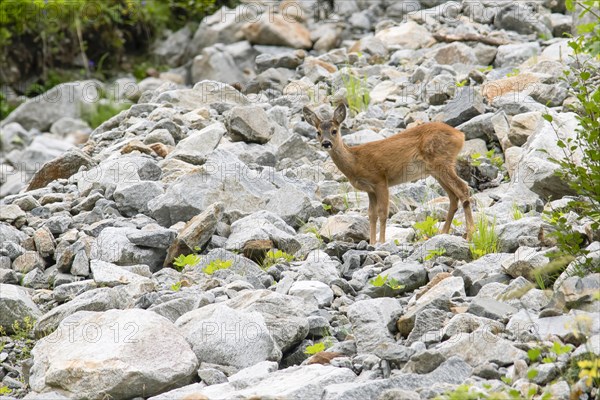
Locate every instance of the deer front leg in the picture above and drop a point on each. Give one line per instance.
(383, 203)
(372, 217)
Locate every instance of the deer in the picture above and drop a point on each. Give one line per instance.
(425, 150)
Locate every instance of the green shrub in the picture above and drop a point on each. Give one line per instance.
(51, 32)
(485, 238)
(96, 113)
(183, 261)
(217, 265)
(315, 348)
(582, 177)
(276, 256)
(357, 92)
(426, 229)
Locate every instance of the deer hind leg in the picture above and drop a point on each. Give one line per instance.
(450, 179)
(372, 217)
(452, 209)
(383, 204)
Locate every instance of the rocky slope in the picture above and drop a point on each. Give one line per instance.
(197, 165)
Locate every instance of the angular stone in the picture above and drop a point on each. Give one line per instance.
(196, 233)
(138, 364)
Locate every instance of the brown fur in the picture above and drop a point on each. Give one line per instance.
(428, 149)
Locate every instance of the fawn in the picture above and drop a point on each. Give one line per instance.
(428, 149)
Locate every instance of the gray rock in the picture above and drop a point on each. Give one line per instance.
(453, 371)
(10, 213)
(132, 198)
(227, 179)
(294, 383)
(410, 275)
(345, 228)
(209, 331)
(172, 49)
(15, 305)
(437, 297)
(28, 261)
(277, 30)
(424, 362)
(285, 316)
(262, 225)
(454, 247)
(67, 125)
(108, 174)
(522, 126)
(455, 53)
(427, 321)
(63, 100)
(525, 326)
(113, 246)
(107, 274)
(481, 347)
(370, 320)
(215, 63)
(512, 55)
(482, 271)
(156, 237)
(490, 308)
(44, 242)
(509, 233)
(11, 234)
(249, 124)
(466, 104)
(521, 18)
(241, 268)
(139, 364)
(525, 262)
(211, 376)
(312, 292)
(289, 60)
(196, 233)
(195, 148)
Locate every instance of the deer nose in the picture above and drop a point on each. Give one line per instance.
(326, 144)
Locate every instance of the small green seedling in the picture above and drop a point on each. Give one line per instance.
(183, 261)
(314, 349)
(217, 265)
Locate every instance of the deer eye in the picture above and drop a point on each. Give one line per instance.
(333, 131)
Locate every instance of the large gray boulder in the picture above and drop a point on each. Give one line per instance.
(15, 305)
(64, 100)
(226, 179)
(370, 320)
(135, 360)
(221, 335)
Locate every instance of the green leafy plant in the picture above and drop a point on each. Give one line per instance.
(276, 256)
(517, 214)
(514, 72)
(96, 113)
(462, 83)
(357, 92)
(327, 207)
(176, 287)
(486, 69)
(183, 261)
(385, 280)
(433, 253)
(46, 33)
(315, 348)
(485, 237)
(5, 390)
(426, 229)
(580, 166)
(217, 265)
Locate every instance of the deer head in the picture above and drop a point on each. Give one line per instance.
(328, 132)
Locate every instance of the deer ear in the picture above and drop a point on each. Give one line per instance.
(339, 115)
(311, 117)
